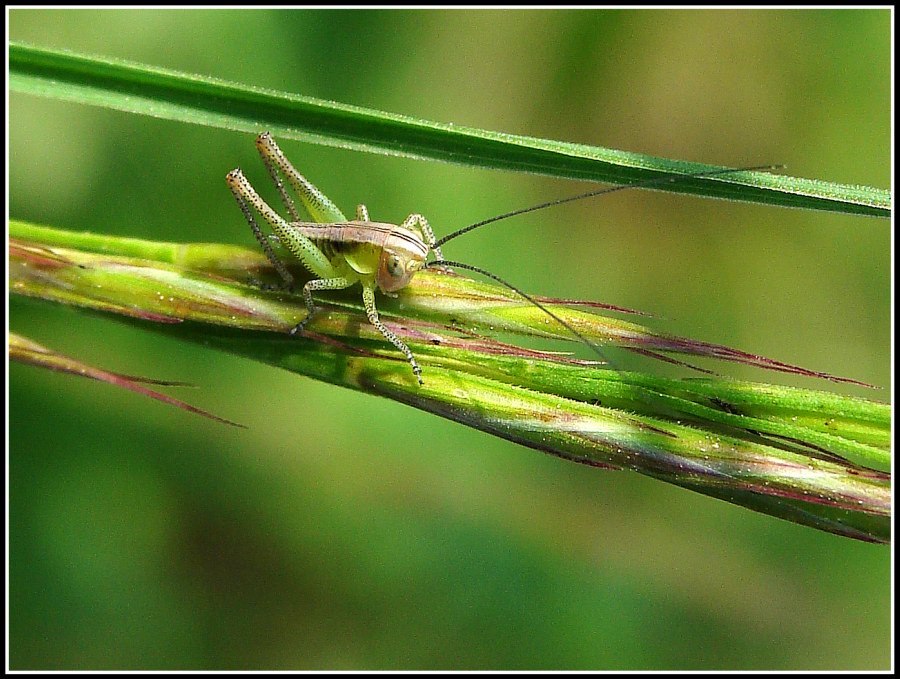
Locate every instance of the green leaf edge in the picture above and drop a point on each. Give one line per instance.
(173, 95)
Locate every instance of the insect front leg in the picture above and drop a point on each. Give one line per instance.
(417, 221)
(299, 245)
(372, 313)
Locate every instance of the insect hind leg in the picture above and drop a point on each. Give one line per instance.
(316, 203)
(244, 193)
(297, 244)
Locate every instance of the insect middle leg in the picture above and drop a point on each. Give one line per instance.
(337, 283)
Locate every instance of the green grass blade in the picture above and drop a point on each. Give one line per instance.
(202, 100)
(810, 457)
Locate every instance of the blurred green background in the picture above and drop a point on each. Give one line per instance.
(342, 531)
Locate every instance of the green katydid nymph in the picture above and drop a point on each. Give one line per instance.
(341, 252)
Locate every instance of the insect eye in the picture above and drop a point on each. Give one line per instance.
(394, 266)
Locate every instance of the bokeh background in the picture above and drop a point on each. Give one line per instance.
(342, 531)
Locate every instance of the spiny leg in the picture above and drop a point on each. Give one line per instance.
(323, 211)
(243, 192)
(262, 145)
(337, 283)
(372, 313)
(319, 206)
(299, 245)
(362, 213)
(417, 220)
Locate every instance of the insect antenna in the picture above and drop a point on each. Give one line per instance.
(532, 300)
(597, 192)
(534, 208)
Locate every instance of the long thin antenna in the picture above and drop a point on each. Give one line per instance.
(567, 326)
(597, 192)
